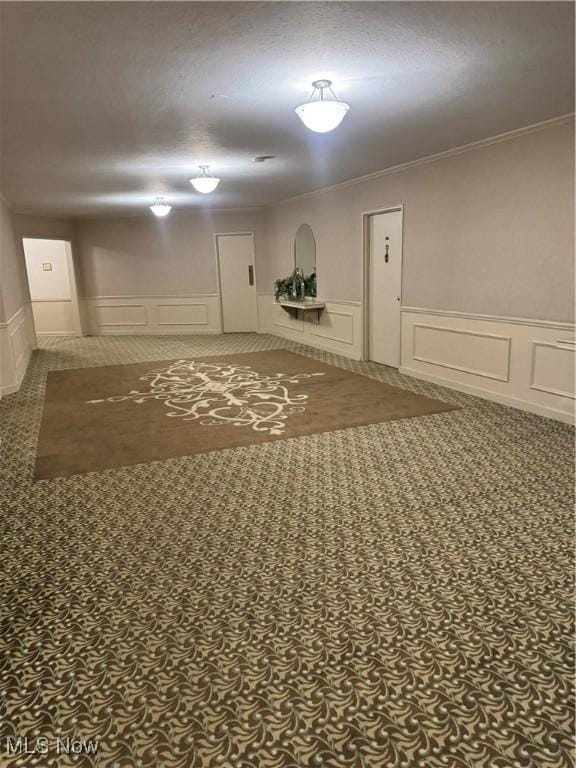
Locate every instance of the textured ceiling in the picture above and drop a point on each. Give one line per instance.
(105, 105)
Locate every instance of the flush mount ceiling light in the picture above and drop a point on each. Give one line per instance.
(160, 207)
(322, 115)
(204, 183)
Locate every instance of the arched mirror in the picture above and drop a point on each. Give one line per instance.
(305, 250)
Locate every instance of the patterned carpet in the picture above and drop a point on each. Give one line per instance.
(161, 410)
(397, 595)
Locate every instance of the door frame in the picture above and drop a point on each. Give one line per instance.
(77, 309)
(216, 235)
(366, 275)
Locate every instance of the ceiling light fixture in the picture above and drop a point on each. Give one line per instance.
(204, 183)
(160, 207)
(322, 115)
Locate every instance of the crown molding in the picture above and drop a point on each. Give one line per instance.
(6, 202)
(190, 210)
(76, 217)
(509, 135)
(36, 214)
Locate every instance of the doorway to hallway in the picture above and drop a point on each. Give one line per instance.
(53, 289)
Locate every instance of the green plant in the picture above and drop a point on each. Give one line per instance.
(310, 285)
(284, 287)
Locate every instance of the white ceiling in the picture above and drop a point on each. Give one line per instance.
(106, 104)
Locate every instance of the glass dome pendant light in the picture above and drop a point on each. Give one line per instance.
(160, 207)
(204, 183)
(322, 115)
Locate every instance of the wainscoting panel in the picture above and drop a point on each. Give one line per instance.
(335, 325)
(526, 363)
(182, 314)
(337, 328)
(17, 340)
(553, 368)
(55, 317)
(483, 354)
(286, 321)
(119, 314)
(156, 315)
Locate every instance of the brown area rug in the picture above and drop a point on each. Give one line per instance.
(99, 418)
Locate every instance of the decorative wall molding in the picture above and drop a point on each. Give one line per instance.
(525, 364)
(290, 322)
(60, 300)
(139, 214)
(569, 327)
(516, 133)
(17, 341)
(56, 317)
(483, 355)
(8, 204)
(153, 315)
(341, 331)
(163, 296)
(70, 334)
(473, 352)
(182, 313)
(336, 329)
(117, 315)
(7, 323)
(553, 370)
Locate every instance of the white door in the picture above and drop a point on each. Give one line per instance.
(52, 284)
(237, 282)
(385, 283)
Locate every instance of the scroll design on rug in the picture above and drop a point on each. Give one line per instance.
(223, 394)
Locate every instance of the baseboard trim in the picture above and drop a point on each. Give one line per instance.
(151, 332)
(59, 333)
(522, 405)
(11, 389)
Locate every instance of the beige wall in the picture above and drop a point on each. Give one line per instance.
(17, 339)
(488, 231)
(43, 227)
(144, 255)
(13, 285)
